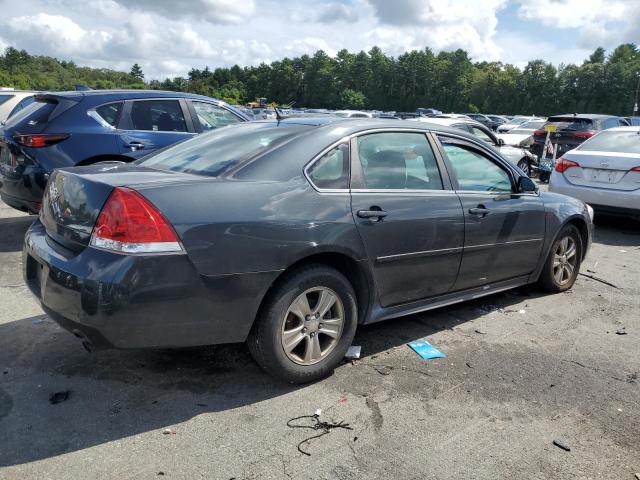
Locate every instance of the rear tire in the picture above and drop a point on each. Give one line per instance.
(562, 265)
(305, 326)
(523, 165)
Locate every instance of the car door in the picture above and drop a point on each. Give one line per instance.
(409, 218)
(504, 230)
(147, 125)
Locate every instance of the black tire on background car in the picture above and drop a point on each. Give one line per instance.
(523, 165)
(306, 325)
(563, 263)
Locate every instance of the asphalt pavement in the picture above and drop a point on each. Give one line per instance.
(523, 369)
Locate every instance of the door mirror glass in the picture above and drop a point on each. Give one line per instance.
(526, 185)
(500, 142)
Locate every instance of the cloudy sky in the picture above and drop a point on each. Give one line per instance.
(168, 37)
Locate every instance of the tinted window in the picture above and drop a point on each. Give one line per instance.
(212, 153)
(475, 171)
(4, 98)
(212, 116)
(610, 123)
(37, 113)
(110, 112)
(571, 123)
(158, 115)
(398, 161)
(332, 169)
(613, 141)
(24, 103)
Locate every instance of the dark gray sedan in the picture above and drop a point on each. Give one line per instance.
(289, 234)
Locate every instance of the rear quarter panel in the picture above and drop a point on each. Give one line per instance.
(232, 226)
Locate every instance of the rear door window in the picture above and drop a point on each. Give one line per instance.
(110, 113)
(158, 116)
(398, 161)
(213, 116)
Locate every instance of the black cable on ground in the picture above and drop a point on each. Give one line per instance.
(326, 427)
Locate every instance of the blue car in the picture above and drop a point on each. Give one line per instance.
(65, 129)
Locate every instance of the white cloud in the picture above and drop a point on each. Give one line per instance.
(229, 12)
(309, 46)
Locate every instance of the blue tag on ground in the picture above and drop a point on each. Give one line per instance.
(426, 350)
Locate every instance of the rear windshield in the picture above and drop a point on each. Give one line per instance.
(527, 127)
(37, 113)
(210, 154)
(571, 123)
(613, 141)
(4, 98)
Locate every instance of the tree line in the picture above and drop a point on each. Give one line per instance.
(448, 81)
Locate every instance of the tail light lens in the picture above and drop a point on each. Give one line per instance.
(129, 223)
(538, 133)
(563, 165)
(635, 169)
(40, 140)
(584, 135)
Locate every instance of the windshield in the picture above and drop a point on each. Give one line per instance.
(571, 123)
(212, 153)
(614, 141)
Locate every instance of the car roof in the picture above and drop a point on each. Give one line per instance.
(633, 128)
(131, 93)
(449, 121)
(593, 116)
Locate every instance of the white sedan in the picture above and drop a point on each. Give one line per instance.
(604, 172)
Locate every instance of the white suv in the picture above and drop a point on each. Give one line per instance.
(12, 101)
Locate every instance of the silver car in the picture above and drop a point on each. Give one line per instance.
(604, 172)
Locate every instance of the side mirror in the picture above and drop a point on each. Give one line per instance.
(500, 142)
(526, 185)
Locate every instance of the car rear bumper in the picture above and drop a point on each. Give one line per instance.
(23, 189)
(600, 199)
(128, 301)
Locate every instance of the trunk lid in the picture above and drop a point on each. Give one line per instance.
(74, 197)
(610, 170)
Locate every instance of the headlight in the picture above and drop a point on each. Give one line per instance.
(590, 210)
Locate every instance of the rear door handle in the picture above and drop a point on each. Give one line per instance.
(373, 213)
(136, 145)
(480, 210)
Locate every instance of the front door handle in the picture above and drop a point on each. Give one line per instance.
(136, 146)
(373, 213)
(480, 210)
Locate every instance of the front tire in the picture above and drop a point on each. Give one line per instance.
(305, 326)
(563, 263)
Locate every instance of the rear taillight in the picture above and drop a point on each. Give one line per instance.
(40, 140)
(537, 133)
(129, 223)
(563, 165)
(584, 135)
(635, 169)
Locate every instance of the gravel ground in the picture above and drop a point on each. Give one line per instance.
(511, 384)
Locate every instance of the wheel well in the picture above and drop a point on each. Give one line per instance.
(581, 225)
(346, 265)
(104, 158)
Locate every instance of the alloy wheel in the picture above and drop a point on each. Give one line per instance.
(564, 260)
(312, 326)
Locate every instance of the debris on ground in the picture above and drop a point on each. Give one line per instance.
(522, 312)
(468, 365)
(59, 397)
(480, 332)
(426, 350)
(598, 279)
(621, 331)
(168, 431)
(316, 424)
(562, 445)
(353, 352)
(38, 321)
(382, 369)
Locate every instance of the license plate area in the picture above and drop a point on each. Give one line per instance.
(602, 176)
